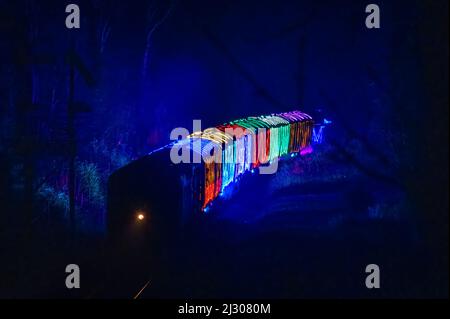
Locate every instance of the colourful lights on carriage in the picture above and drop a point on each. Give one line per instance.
(243, 145)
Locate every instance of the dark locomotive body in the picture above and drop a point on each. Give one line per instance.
(154, 196)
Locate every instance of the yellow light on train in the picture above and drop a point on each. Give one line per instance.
(140, 216)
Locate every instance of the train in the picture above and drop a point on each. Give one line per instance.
(180, 180)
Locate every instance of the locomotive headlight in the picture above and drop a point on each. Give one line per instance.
(140, 216)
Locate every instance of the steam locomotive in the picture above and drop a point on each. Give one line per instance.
(168, 186)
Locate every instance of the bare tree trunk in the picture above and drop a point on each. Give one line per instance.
(146, 57)
(154, 25)
(71, 138)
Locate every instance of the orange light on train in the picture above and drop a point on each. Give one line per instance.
(140, 216)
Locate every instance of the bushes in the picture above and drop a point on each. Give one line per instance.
(58, 199)
(93, 167)
(91, 184)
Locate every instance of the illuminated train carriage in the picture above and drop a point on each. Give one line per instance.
(218, 168)
(248, 143)
(242, 147)
(260, 138)
(300, 130)
(279, 136)
(173, 192)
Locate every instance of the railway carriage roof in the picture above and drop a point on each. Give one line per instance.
(274, 120)
(213, 134)
(251, 123)
(295, 116)
(198, 145)
(238, 130)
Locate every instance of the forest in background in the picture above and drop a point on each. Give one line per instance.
(134, 72)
